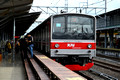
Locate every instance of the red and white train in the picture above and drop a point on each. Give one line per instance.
(68, 38)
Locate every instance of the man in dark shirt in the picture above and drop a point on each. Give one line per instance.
(23, 47)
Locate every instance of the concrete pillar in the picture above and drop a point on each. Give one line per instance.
(111, 37)
(105, 39)
(98, 38)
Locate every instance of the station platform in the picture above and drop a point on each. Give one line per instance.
(12, 70)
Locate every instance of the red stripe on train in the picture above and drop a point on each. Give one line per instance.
(72, 45)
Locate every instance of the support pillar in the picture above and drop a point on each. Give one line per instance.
(111, 37)
(13, 39)
(105, 44)
(98, 38)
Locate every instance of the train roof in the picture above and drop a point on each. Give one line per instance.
(61, 14)
(67, 14)
(73, 14)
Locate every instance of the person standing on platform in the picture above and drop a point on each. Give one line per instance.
(8, 47)
(17, 46)
(23, 46)
(30, 44)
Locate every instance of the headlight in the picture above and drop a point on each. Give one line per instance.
(56, 45)
(89, 45)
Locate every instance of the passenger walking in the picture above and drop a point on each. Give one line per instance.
(30, 44)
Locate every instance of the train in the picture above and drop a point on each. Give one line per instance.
(67, 38)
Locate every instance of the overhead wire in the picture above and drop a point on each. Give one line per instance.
(104, 4)
(96, 3)
(91, 4)
(107, 2)
(56, 3)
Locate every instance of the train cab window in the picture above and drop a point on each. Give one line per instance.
(59, 25)
(79, 25)
(73, 27)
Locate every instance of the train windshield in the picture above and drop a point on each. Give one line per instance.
(73, 27)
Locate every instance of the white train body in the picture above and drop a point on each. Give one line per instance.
(67, 35)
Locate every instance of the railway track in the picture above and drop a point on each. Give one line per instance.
(108, 57)
(104, 69)
(96, 75)
(107, 65)
(105, 76)
(111, 60)
(43, 68)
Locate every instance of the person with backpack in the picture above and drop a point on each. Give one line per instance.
(30, 44)
(8, 47)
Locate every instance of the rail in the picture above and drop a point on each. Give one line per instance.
(106, 76)
(107, 65)
(109, 52)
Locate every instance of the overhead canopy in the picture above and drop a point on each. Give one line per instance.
(8, 7)
(18, 11)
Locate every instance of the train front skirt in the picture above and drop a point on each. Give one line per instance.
(76, 67)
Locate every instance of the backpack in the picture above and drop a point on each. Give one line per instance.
(9, 46)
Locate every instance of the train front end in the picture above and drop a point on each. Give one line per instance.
(73, 41)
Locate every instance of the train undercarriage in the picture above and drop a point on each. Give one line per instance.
(75, 63)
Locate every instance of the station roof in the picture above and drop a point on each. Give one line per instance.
(17, 10)
(110, 13)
